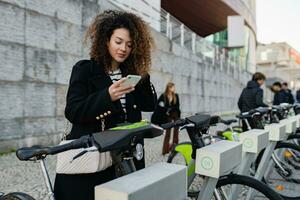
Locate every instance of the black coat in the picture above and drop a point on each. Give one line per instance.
(289, 96)
(283, 97)
(164, 108)
(251, 97)
(87, 99)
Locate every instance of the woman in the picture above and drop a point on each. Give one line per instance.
(167, 110)
(120, 45)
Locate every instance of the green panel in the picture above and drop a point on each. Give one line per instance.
(191, 169)
(131, 126)
(186, 150)
(228, 135)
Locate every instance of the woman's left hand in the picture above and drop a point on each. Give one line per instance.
(116, 91)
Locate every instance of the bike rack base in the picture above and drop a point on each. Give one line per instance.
(159, 181)
(253, 142)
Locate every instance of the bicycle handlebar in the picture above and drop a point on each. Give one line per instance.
(26, 153)
(179, 122)
(82, 142)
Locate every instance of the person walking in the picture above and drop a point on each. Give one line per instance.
(167, 110)
(279, 94)
(252, 97)
(288, 93)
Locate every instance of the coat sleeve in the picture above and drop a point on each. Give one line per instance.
(145, 95)
(83, 107)
(259, 99)
(276, 99)
(177, 106)
(240, 102)
(291, 98)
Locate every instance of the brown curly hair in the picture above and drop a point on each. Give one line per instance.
(100, 31)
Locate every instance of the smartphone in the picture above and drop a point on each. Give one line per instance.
(131, 80)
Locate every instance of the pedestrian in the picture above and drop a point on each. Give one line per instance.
(298, 95)
(120, 45)
(279, 94)
(252, 97)
(168, 110)
(288, 93)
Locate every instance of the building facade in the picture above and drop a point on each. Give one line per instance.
(279, 61)
(40, 41)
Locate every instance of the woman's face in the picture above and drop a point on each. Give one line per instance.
(172, 89)
(119, 45)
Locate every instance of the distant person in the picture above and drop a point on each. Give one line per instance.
(167, 110)
(279, 96)
(252, 97)
(298, 95)
(288, 93)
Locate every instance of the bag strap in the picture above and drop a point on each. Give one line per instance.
(66, 130)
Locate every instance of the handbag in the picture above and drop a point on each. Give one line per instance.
(159, 116)
(90, 162)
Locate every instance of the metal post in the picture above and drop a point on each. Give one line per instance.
(47, 179)
(264, 163)
(243, 170)
(182, 35)
(208, 188)
(193, 174)
(170, 31)
(168, 24)
(222, 58)
(194, 42)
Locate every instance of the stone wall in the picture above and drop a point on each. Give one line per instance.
(41, 40)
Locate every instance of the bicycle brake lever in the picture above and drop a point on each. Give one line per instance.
(187, 125)
(82, 153)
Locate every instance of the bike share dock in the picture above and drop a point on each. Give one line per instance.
(277, 132)
(214, 161)
(159, 181)
(253, 142)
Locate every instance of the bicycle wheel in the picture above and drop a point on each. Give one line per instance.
(285, 177)
(261, 190)
(17, 196)
(181, 154)
(294, 138)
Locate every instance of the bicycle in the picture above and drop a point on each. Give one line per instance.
(283, 154)
(197, 126)
(121, 141)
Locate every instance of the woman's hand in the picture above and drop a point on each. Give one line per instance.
(116, 91)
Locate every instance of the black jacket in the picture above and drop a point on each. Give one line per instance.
(283, 97)
(298, 96)
(88, 98)
(251, 97)
(164, 108)
(289, 96)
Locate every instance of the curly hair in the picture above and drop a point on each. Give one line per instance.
(101, 30)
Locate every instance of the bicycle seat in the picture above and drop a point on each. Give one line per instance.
(200, 120)
(214, 120)
(243, 115)
(262, 110)
(228, 122)
(26, 153)
(120, 138)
